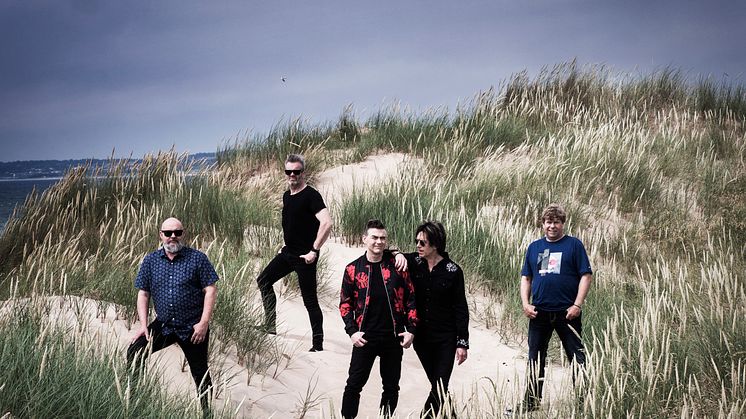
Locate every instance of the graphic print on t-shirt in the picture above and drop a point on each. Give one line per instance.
(551, 263)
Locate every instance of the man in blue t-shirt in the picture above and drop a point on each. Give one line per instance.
(556, 275)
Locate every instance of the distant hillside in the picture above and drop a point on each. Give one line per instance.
(37, 169)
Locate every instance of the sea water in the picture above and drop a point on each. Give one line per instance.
(13, 192)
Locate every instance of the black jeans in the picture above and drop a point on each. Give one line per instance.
(437, 358)
(390, 352)
(195, 354)
(281, 265)
(539, 332)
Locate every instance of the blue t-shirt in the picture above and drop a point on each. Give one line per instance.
(176, 288)
(555, 269)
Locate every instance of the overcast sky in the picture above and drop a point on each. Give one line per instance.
(79, 79)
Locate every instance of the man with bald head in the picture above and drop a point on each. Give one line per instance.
(181, 282)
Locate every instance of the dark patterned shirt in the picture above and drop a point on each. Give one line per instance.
(176, 288)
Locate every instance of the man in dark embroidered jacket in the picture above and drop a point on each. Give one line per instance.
(443, 331)
(377, 304)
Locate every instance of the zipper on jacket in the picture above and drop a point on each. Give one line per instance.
(388, 300)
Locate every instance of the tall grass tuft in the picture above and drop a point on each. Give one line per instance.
(52, 371)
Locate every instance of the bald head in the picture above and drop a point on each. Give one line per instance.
(171, 234)
(172, 224)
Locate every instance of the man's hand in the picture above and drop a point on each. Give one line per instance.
(142, 331)
(357, 339)
(572, 312)
(461, 355)
(407, 339)
(400, 262)
(530, 311)
(309, 257)
(200, 331)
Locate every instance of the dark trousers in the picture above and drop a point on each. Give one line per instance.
(280, 266)
(539, 332)
(437, 359)
(195, 354)
(390, 352)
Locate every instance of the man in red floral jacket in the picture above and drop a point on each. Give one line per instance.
(378, 308)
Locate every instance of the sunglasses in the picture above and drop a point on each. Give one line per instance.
(295, 172)
(419, 242)
(176, 233)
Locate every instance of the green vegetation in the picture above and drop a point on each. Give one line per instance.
(651, 170)
(49, 371)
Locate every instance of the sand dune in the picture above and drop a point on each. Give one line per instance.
(319, 378)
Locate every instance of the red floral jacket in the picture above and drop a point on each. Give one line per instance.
(353, 300)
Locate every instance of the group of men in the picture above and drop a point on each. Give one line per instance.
(181, 282)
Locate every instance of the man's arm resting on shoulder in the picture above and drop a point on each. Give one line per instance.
(325, 226)
(528, 309)
(583, 287)
(200, 329)
(143, 300)
(400, 261)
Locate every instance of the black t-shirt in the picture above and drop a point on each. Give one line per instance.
(299, 223)
(377, 323)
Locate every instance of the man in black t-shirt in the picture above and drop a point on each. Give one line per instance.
(305, 227)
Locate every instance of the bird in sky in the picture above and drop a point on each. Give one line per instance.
(283, 79)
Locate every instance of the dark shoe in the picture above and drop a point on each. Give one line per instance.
(317, 343)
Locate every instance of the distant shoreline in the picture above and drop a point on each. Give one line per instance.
(21, 179)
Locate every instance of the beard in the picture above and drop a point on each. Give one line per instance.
(173, 247)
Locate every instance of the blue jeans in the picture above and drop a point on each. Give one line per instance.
(539, 332)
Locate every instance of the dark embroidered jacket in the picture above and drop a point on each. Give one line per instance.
(354, 298)
(441, 300)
